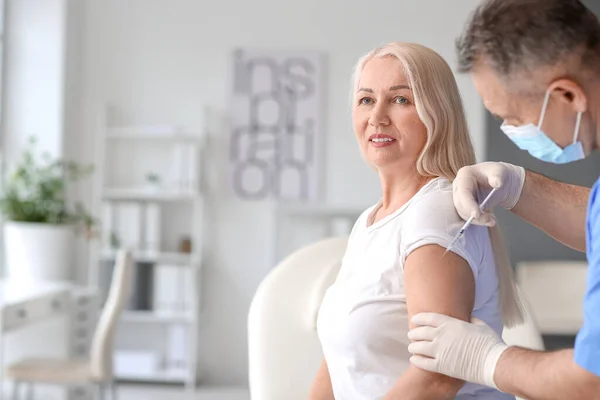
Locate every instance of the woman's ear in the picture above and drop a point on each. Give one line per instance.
(569, 92)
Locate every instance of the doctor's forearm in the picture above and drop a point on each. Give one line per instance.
(557, 208)
(544, 375)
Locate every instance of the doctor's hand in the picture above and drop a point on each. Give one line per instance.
(449, 346)
(481, 179)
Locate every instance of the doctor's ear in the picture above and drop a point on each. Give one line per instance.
(570, 93)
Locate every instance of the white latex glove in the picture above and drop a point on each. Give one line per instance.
(481, 178)
(449, 346)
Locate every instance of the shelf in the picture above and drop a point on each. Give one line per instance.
(170, 258)
(156, 317)
(164, 376)
(152, 134)
(328, 211)
(144, 194)
(143, 214)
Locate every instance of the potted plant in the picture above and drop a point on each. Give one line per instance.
(153, 181)
(39, 223)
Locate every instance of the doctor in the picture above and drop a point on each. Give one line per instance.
(536, 65)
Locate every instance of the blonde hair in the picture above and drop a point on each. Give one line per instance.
(448, 146)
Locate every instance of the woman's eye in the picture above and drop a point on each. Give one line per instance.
(366, 101)
(401, 100)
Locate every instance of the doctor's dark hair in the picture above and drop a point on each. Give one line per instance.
(521, 35)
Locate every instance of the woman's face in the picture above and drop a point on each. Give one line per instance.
(386, 124)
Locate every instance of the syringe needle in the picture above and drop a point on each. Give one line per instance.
(469, 221)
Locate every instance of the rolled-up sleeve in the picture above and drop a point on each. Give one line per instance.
(587, 343)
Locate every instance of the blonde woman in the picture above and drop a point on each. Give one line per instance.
(410, 126)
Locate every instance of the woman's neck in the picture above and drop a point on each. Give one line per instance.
(399, 187)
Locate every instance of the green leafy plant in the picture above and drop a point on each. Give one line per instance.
(153, 178)
(37, 191)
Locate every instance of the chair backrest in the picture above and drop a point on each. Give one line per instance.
(101, 357)
(284, 350)
(555, 291)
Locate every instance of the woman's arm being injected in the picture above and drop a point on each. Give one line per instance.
(443, 284)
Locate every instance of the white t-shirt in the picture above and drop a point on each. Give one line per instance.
(363, 320)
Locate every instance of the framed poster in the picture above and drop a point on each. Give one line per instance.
(276, 133)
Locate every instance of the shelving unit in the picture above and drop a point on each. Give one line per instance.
(157, 317)
(146, 194)
(140, 214)
(172, 258)
(165, 376)
(160, 133)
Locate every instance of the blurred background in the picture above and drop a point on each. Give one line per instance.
(180, 106)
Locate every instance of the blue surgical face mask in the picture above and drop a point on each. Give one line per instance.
(531, 138)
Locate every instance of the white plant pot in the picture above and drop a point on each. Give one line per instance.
(38, 252)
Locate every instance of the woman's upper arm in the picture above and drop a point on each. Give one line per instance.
(435, 282)
(321, 388)
(440, 283)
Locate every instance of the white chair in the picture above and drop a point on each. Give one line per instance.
(554, 289)
(98, 368)
(284, 349)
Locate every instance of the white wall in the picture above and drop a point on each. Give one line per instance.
(161, 61)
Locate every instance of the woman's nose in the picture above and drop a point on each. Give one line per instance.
(379, 116)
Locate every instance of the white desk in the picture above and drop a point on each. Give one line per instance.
(21, 306)
(25, 305)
